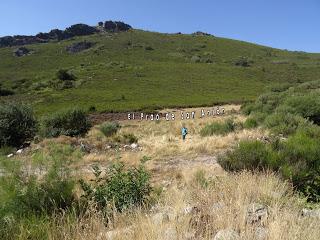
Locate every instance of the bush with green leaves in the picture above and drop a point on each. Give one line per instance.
(243, 62)
(65, 75)
(251, 155)
(32, 195)
(6, 92)
(297, 159)
(65, 80)
(119, 188)
(72, 122)
(284, 123)
(300, 163)
(17, 124)
(109, 128)
(293, 111)
(218, 128)
(306, 105)
(250, 123)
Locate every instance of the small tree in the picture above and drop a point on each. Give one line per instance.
(17, 124)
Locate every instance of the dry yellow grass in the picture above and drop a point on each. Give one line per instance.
(163, 138)
(222, 205)
(183, 168)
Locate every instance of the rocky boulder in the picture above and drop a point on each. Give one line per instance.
(19, 40)
(314, 213)
(256, 213)
(21, 51)
(199, 33)
(56, 34)
(226, 234)
(80, 30)
(111, 26)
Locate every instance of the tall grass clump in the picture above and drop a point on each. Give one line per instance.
(72, 122)
(109, 128)
(218, 128)
(17, 124)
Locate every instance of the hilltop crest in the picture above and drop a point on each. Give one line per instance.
(72, 31)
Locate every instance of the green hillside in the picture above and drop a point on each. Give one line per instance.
(139, 69)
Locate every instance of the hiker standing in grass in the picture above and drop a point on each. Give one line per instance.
(184, 132)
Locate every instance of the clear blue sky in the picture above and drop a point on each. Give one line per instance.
(285, 24)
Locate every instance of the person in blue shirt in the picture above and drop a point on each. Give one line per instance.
(184, 132)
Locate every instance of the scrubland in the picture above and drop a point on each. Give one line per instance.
(192, 196)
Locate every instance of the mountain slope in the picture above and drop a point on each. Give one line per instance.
(139, 69)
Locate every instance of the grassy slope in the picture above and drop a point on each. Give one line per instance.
(162, 77)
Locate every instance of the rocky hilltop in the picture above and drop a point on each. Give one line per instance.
(72, 31)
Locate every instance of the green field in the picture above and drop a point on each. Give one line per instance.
(119, 73)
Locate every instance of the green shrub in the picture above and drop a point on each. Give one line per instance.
(72, 122)
(64, 75)
(27, 199)
(268, 102)
(311, 130)
(307, 105)
(109, 128)
(284, 123)
(297, 159)
(5, 92)
(195, 59)
(281, 87)
(126, 138)
(92, 109)
(129, 138)
(218, 128)
(243, 62)
(247, 108)
(120, 188)
(251, 155)
(250, 123)
(291, 111)
(308, 86)
(301, 164)
(44, 197)
(17, 124)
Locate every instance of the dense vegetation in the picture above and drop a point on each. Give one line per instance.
(138, 69)
(292, 115)
(71, 122)
(17, 125)
(29, 201)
